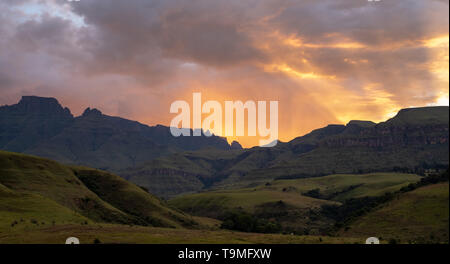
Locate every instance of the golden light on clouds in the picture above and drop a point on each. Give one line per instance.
(343, 45)
(325, 61)
(440, 63)
(295, 73)
(293, 41)
(442, 41)
(371, 101)
(337, 42)
(439, 66)
(442, 99)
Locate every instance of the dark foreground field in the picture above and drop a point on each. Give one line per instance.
(113, 234)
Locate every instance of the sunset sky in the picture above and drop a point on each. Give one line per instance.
(325, 61)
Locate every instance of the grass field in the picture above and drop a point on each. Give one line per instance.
(22, 211)
(284, 202)
(113, 234)
(419, 216)
(347, 186)
(246, 199)
(290, 192)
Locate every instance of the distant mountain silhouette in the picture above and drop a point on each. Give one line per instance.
(41, 126)
(236, 145)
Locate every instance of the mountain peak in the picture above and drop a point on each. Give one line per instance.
(38, 100)
(236, 145)
(36, 104)
(92, 112)
(361, 123)
(421, 116)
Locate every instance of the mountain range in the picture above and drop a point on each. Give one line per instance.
(414, 140)
(41, 126)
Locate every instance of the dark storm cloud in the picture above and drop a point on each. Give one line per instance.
(35, 53)
(50, 34)
(376, 23)
(136, 35)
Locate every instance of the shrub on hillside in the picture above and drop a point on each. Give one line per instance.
(241, 221)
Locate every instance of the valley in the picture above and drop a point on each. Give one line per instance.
(42, 201)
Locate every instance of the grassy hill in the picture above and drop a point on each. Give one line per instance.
(340, 187)
(215, 202)
(419, 216)
(287, 201)
(38, 190)
(291, 191)
(21, 211)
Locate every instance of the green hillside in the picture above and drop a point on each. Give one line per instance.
(289, 203)
(22, 211)
(215, 202)
(340, 187)
(131, 199)
(344, 186)
(419, 216)
(31, 187)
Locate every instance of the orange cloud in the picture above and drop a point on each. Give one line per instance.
(324, 61)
